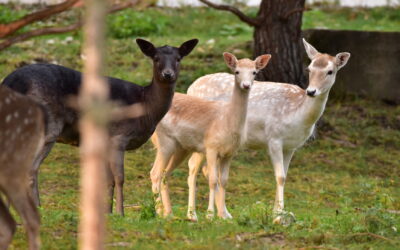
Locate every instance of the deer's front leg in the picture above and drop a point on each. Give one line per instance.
(222, 182)
(194, 166)
(175, 160)
(276, 155)
(156, 174)
(212, 163)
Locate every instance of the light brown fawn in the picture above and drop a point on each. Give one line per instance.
(213, 128)
(22, 128)
(281, 116)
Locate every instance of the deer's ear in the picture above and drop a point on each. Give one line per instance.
(262, 61)
(342, 59)
(230, 60)
(187, 47)
(146, 47)
(311, 51)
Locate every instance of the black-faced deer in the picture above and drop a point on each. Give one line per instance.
(52, 85)
(22, 129)
(212, 128)
(281, 116)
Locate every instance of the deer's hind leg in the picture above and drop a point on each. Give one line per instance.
(20, 198)
(7, 226)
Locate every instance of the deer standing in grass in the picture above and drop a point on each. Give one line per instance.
(52, 85)
(281, 116)
(210, 127)
(22, 128)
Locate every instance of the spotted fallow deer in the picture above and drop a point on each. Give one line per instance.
(210, 127)
(22, 128)
(281, 116)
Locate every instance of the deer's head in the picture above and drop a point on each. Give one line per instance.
(323, 69)
(166, 59)
(245, 70)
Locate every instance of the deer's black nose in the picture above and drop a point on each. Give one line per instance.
(311, 92)
(168, 74)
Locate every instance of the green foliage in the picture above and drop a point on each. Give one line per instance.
(8, 14)
(130, 23)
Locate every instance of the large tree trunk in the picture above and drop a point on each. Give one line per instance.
(279, 34)
(277, 31)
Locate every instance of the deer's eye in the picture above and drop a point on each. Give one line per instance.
(254, 72)
(330, 72)
(178, 59)
(237, 72)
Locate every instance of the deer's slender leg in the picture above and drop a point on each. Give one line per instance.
(276, 155)
(23, 203)
(222, 181)
(287, 157)
(110, 187)
(34, 181)
(212, 164)
(7, 226)
(117, 169)
(194, 166)
(162, 159)
(175, 160)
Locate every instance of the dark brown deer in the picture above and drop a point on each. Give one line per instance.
(51, 85)
(22, 130)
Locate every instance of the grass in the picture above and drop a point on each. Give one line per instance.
(343, 187)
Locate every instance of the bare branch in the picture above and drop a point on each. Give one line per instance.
(10, 28)
(249, 20)
(291, 12)
(58, 30)
(39, 32)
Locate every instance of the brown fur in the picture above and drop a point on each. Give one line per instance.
(21, 136)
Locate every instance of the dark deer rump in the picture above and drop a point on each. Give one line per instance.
(53, 85)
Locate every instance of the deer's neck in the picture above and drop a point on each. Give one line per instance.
(158, 97)
(236, 110)
(313, 108)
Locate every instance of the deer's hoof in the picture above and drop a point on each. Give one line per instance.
(192, 216)
(284, 218)
(210, 215)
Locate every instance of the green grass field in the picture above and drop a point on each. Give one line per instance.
(343, 186)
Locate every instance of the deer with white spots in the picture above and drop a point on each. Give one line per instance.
(22, 128)
(281, 116)
(213, 128)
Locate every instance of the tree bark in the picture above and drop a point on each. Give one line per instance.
(279, 34)
(277, 31)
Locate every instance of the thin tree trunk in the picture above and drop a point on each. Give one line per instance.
(279, 34)
(93, 128)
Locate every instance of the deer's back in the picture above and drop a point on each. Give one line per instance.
(54, 85)
(188, 121)
(272, 108)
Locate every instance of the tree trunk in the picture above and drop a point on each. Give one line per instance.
(279, 34)
(277, 31)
